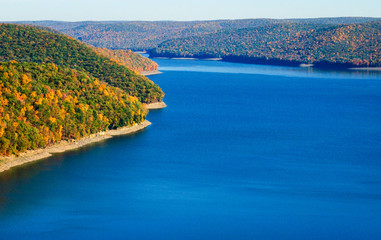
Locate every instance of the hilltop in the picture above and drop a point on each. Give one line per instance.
(54, 88)
(31, 44)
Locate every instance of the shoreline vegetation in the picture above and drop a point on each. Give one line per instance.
(7, 163)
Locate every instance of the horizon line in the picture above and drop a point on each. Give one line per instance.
(205, 20)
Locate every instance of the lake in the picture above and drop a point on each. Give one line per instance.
(241, 152)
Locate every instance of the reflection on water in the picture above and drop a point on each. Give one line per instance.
(13, 181)
(226, 67)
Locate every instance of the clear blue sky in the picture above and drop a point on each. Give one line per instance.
(78, 10)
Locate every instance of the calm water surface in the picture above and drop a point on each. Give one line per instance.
(241, 152)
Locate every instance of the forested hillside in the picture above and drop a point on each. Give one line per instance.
(142, 35)
(30, 44)
(43, 103)
(129, 59)
(286, 43)
(53, 87)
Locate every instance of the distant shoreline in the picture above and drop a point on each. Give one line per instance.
(189, 58)
(271, 62)
(63, 146)
(367, 68)
(184, 58)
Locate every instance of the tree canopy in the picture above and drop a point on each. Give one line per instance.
(353, 45)
(30, 44)
(42, 104)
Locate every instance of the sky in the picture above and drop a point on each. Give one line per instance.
(152, 10)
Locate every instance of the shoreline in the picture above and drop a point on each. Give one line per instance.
(274, 62)
(211, 59)
(367, 68)
(148, 73)
(156, 105)
(185, 58)
(63, 146)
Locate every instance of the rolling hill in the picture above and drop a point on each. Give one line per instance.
(145, 35)
(130, 59)
(324, 45)
(53, 88)
(30, 44)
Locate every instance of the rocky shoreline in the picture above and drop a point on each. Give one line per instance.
(156, 105)
(148, 73)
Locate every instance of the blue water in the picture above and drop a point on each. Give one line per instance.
(241, 152)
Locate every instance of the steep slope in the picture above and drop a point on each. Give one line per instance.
(286, 43)
(129, 59)
(30, 44)
(42, 104)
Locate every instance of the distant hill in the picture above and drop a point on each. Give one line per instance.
(325, 45)
(128, 58)
(42, 104)
(30, 44)
(334, 21)
(140, 35)
(143, 35)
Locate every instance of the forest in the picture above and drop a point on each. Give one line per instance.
(342, 42)
(41, 104)
(145, 35)
(324, 45)
(130, 59)
(30, 44)
(53, 88)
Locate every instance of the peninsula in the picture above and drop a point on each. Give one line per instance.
(59, 94)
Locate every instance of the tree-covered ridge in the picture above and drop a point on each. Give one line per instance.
(42, 104)
(129, 59)
(30, 44)
(286, 43)
(143, 35)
